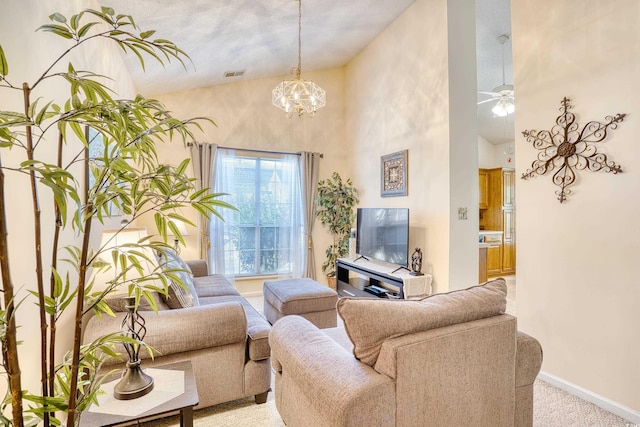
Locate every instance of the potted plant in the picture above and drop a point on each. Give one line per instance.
(335, 201)
(126, 174)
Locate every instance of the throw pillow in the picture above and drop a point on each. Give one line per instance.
(178, 296)
(362, 316)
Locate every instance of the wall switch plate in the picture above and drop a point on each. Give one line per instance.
(462, 213)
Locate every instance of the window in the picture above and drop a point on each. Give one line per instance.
(264, 236)
(96, 152)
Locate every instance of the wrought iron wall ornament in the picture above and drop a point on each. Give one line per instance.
(569, 148)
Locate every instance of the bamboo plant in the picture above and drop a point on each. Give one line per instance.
(335, 201)
(127, 175)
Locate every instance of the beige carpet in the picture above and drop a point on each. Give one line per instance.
(552, 407)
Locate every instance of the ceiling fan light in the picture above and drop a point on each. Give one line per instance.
(503, 109)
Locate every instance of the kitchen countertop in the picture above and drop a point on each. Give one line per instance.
(485, 232)
(489, 238)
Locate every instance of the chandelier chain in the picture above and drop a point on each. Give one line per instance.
(299, 70)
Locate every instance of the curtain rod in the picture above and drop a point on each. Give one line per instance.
(189, 144)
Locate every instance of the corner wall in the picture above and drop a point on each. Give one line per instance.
(398, 93)
(578, 271)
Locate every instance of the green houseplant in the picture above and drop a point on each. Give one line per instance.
(335, 202)
(127, 174)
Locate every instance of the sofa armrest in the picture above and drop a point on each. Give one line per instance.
(335, 383)
(198, 267)
(528, 359)
(179, 330)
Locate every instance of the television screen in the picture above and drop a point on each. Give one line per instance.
(383, 234)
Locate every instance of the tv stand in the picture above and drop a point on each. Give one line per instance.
(367, 279)
(400, 268)
(374, 274)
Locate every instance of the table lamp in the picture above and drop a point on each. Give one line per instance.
(134, 382)
(182, 228)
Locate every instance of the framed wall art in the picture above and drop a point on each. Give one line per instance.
(394, 175)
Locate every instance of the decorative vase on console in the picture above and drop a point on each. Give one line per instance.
(416, 263)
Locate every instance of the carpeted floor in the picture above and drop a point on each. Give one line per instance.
(552, 407)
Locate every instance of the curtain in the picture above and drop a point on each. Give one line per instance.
(223, 182)
(265, 236)
(309, 166)
(203, 161)
(292, 226)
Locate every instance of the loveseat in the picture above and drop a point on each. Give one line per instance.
(447, 360)
(223, 336)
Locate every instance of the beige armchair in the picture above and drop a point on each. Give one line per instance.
(448, 360)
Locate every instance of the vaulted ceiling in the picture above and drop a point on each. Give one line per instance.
(259, 38)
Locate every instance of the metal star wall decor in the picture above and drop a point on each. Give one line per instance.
(570, 148)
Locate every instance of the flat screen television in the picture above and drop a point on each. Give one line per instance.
(383, 234)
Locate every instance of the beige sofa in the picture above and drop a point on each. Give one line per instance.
(448, 360)
(224, 337)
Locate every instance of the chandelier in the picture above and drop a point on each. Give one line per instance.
(298, 96)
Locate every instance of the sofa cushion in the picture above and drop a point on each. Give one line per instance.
(214, 285)
(117, 302)
(369, 322)
(178, 296)
(257, 326)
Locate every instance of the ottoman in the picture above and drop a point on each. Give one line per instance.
(304, 297)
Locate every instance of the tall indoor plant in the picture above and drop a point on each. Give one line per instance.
(335, 202)
(126, 174)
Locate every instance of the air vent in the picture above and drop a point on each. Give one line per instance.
(234, 73)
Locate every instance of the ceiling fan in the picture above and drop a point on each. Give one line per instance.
(503, 94)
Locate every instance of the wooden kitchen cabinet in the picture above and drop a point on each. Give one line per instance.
(509, 241)
(508, 188)
(500, 215)
(494, 261)
(483, 181)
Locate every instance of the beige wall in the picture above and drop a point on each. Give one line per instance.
(578, 271)
(486, 153)
(245, 118)
(29, 53)
(496, 156)
(385, 100)
(398, 92)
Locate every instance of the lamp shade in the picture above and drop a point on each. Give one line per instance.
(180, 225)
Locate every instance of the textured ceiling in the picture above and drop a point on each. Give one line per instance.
(260, 37)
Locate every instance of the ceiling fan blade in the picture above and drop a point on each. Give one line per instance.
(489, 93)
(486, 100)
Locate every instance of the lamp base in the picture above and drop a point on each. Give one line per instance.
(134, 383)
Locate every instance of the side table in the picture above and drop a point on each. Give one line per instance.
(183, 403)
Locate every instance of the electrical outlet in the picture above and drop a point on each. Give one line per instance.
(462, 214)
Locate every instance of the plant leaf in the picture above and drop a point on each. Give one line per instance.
(4, 66)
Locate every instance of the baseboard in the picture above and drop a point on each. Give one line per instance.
(584, 394)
